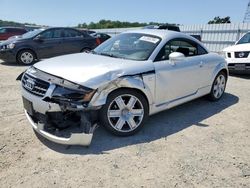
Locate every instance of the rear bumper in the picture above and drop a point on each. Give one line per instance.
(8, 55)
(75, 139)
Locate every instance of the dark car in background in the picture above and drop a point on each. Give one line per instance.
(7, 32)
(46, 43)
(101, 36)
(170, 27)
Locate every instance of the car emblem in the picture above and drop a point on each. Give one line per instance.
(241, 54)
(29, 84)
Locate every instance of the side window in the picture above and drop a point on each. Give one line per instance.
(188, 48)
(47, 34)
(57, 33)
(69, 33)
(52, 33)
(201, 50)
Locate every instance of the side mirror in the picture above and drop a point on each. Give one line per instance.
(39, 38)
(176, 57)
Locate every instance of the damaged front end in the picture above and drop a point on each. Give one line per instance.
(58, 109)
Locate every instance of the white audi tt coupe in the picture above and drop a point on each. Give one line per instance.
(119, 84)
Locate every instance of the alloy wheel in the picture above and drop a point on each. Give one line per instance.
(219, 86)
(27, 57)
(125, 113)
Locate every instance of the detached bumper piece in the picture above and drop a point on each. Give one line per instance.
(82, 138)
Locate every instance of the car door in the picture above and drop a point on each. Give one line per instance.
(51, 43)
(73, 41)
(179, 80)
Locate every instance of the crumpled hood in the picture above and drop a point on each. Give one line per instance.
(238, 48)
(92, 70)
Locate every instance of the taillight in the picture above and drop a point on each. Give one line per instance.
(98, 41)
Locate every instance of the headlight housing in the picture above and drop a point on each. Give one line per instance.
(11, 46)
(8, 46)
(72, 95)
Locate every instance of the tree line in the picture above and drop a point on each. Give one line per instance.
(106, 24)
(4, 23)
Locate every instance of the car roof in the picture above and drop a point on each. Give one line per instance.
(166, 34)
(159, 33)
(60, 28)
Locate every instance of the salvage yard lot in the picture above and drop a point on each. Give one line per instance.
(198, 144)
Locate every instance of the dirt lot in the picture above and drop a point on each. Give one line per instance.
(199, 144)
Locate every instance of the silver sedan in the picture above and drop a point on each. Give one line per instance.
(119, 84)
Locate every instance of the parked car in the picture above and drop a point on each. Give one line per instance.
(45, 43)
(164, 26)
(86, 31)
(119, 87)
(101, 36)
(237, 56)
(170, 27)
(6, 32)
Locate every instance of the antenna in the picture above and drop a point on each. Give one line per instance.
(247, 14)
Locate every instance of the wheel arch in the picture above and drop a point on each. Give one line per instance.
(221, 67)
(131, 89)
(135, 83)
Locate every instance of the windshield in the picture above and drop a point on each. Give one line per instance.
(135, 46)
(244, 39)
(33, 33)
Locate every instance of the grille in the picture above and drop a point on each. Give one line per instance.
(241, 54)
(34, 85)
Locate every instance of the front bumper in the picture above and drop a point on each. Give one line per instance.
(42, 107)
(75, 139)
(8, 55)
(239, 68)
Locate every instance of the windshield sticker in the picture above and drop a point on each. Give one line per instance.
(149, 39)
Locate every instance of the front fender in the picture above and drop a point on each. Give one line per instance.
(134, 82)
(19, 48)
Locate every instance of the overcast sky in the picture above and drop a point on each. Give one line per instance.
(72, 12)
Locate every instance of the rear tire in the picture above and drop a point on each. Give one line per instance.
(86, 50)
(124, 112)
(218, 87)
(26, 57)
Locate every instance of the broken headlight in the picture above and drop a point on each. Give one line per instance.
(72, 95)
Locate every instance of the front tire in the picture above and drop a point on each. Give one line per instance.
(26, 57)
(124, 112)
(218, 87)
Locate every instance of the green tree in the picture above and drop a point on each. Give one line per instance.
(218, 20)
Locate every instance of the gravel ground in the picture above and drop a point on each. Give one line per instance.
(198, 144)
